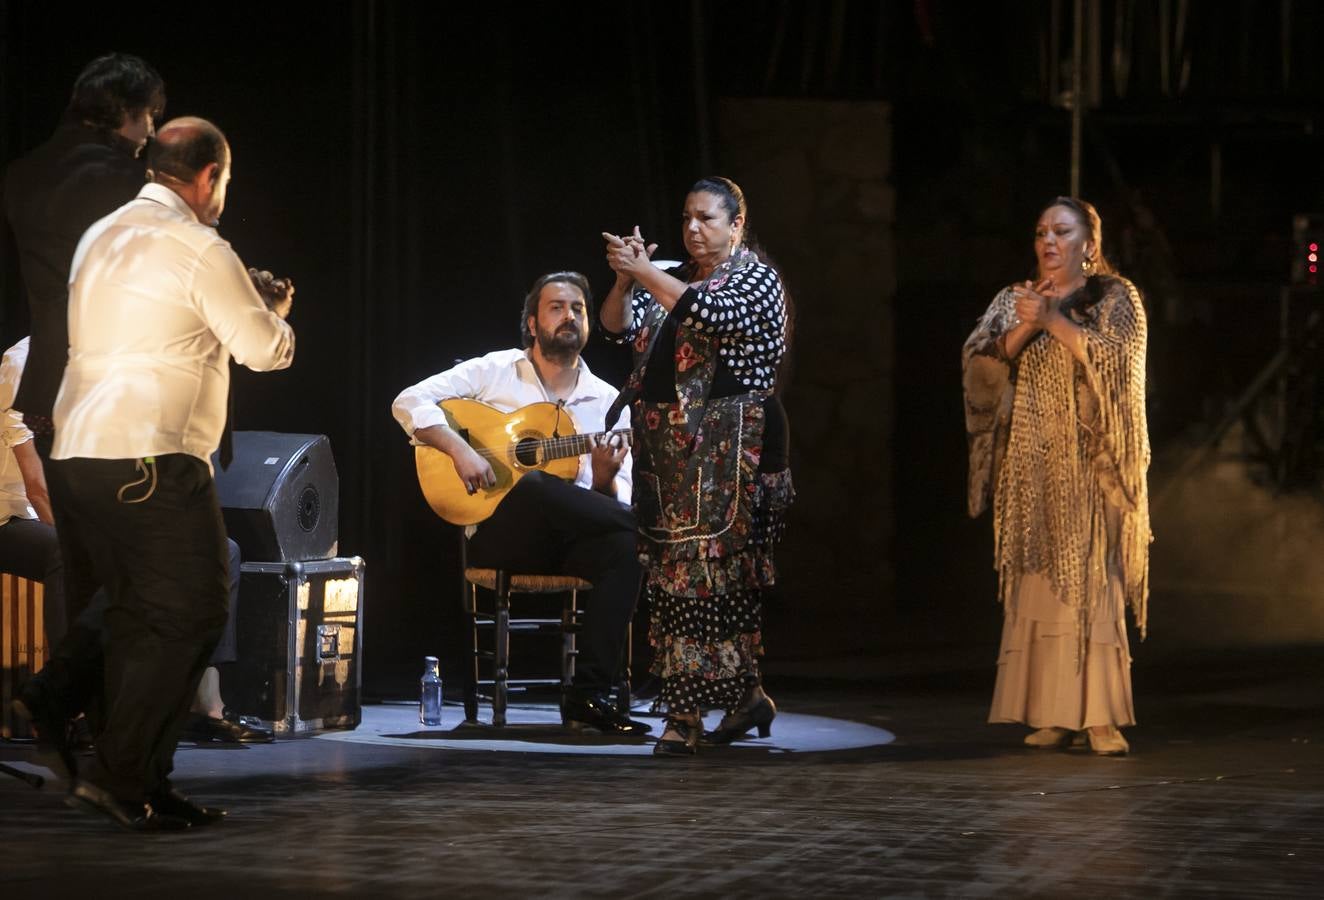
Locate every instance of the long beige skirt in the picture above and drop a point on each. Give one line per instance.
(1038, 681)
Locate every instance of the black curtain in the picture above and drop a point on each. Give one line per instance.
(413, 167)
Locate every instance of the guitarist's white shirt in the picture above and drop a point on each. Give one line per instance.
(507, 380)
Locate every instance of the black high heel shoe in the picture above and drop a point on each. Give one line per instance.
(689, 729)
(737, 724)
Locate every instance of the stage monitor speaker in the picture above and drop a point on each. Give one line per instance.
(280, 496)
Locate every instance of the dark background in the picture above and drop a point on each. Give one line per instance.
(414, 166)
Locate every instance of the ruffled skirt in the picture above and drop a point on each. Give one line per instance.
(1039, 682)
(708, 522)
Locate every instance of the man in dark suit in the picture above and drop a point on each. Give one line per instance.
(87, 169)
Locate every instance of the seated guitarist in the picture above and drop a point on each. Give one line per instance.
(544, 524)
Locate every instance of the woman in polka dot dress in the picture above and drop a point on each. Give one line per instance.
(711, 476)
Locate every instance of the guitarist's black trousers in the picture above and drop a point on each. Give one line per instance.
(549, 526)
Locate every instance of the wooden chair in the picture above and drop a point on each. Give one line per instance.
(503, 586)
(23, 649)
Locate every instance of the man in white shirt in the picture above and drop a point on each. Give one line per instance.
(27, 527)
(545, 524)
(158, 305)
(29, 547)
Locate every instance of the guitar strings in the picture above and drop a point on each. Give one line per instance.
(563, 442)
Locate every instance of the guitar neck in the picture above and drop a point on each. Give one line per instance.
(576, 444)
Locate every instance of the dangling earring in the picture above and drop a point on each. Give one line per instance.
(1087, 266)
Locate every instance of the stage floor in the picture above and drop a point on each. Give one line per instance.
(873, 784)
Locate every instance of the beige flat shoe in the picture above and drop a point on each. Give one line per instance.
(1110, 744)
(1048, 738)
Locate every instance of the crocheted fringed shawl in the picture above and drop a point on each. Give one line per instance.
(1061, 449)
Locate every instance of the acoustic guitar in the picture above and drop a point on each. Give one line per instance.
(539, 437)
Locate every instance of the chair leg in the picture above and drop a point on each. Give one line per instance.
(569, 646)
(471, 670)
(569, 613)
(623, 687)
(502, 660)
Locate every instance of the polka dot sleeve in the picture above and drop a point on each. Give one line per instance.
(639, 301)
(750, 303)
(748, 313)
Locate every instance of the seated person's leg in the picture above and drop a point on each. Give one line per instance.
(70, 682)
(540, 521)
(548, 525)
(609, 560)
(207, 720)
(30, 549)
(524, 534)
(209, 700)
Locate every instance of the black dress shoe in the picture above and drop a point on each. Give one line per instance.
(589, 711)
(49, 719)
(171, 802)
(230, 730)
(133, 816)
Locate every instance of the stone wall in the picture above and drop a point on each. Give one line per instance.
(816, 176)
(1234, 563)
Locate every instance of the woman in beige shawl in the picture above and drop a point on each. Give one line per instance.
(1054, 379)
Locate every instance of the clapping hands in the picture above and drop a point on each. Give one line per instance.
(628, 255)
(1034, 305)
(276, 293)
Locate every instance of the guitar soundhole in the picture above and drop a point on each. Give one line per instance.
(526, 452)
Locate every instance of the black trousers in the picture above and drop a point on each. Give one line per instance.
(159, 548)
(227, 648)
(29, 548)
(73, 674)
(546, 525)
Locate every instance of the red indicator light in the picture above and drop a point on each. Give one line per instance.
(1314, 248)
(1312, 270)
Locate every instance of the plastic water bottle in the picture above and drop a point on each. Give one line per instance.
(429, 701)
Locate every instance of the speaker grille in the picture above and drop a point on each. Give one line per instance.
(310, 508)
(281, 496)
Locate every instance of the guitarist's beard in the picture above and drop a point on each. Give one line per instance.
(561, 346)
